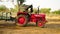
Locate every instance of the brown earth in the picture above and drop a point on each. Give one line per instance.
(52, 27)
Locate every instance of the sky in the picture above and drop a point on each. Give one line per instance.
(53, 4)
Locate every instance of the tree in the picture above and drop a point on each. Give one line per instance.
(45, 10)
(19, 3)
(56, 12)
(13, 10)
(2, 8)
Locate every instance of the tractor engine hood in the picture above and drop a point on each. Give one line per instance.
(39, 15)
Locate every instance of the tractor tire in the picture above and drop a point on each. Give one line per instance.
(40, 24)
(22, 20)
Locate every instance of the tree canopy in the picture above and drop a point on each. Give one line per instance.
(2, 8)
(21, 1)
(56, 12)
(45, 10)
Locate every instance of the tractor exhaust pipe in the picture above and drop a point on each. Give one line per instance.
(38, 9)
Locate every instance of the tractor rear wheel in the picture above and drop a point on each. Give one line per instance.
(22, 20)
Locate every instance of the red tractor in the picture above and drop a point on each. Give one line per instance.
(23, 18)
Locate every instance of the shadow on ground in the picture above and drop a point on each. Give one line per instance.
(30, 25)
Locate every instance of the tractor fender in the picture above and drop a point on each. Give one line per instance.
(24, 13)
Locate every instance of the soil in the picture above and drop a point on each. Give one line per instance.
(52, 27)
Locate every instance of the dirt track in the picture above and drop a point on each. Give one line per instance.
(52, 27)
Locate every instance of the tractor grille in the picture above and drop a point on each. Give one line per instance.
(40, 19)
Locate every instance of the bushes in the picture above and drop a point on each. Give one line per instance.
(56, 12)
(2, 8)
(43, 10)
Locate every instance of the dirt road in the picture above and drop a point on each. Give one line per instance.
(13, 29)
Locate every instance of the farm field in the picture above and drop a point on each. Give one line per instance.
(52, 27)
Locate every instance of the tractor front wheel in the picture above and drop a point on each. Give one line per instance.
(41, 24)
